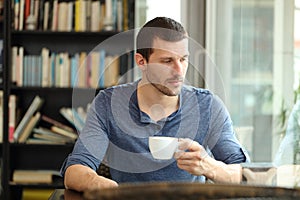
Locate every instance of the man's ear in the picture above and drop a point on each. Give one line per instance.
(140, 61)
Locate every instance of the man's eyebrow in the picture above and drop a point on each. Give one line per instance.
(171, 57)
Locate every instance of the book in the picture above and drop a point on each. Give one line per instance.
(108, 23)
(12, 106)
(70, 16)
(54, 23)
(88, 9)
(62, 16)
(111, 73)
(95, 70)
(19, 66)
(67, 114)
(29, 127)
(30, 20)
(39, 13)
(35, 176)
(36, 13)
(14, 55)
(36, 193)
(95, 16)
(53, 122)
(1, 61)
(119, 15)
(45, 67)
(45, 14)
(33, 108)
(73, 118)
(21, 15)
(74, 67)
(82, 70)
(1, 115)
(16, 14)
(42, 141)
(78, 119)
(63, 132)
(45, 134)
(80, 15)
(27, 9)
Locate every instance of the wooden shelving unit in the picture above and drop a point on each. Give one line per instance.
(39, 156)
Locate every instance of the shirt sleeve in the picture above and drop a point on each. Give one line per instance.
(92, 142)
(221, 139)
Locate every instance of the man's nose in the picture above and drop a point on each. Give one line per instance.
(178, 67)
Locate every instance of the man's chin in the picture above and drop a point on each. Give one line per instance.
(172, 91)
(169, 91)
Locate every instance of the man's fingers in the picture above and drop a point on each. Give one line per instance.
(187, 155)
(188, 144)
(191, 146)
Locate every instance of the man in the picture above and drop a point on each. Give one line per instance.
(122, 118)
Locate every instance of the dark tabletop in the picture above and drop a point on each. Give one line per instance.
(180, 191)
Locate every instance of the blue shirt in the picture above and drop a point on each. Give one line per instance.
(116, 133)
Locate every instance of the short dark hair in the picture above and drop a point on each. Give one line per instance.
(164, 28)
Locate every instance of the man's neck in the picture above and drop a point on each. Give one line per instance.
(156, 104)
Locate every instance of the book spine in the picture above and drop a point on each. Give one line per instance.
(74, 65)
(1, 115)
(70, 16)
(29, 127)
(14, 51)
(36, 13)
(62, 16)
(45, 67)
(16, 14)
(102, 69)
(83, 70)
(27, 9)
(64, 132)
(20, 66)
(46, 16)
(56, 123)
(12, 116)
(36, 103)
(95, 16)
(54, 16)
(21, 15)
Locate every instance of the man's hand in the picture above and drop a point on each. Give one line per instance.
(193, 158)
(190, 157)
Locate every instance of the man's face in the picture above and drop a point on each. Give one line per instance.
(167, 65)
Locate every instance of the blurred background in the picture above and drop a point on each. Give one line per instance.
(254, 46)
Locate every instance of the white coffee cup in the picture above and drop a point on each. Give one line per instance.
(163, 148)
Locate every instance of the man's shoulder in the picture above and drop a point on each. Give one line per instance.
(187, 89)
(118, 93)
(122, 87)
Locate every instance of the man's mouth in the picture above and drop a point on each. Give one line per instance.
(175, 82)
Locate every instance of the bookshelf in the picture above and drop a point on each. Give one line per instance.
(50, 156)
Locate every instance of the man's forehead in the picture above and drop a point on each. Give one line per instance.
(170, 47)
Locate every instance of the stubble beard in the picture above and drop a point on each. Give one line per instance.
(165, 90)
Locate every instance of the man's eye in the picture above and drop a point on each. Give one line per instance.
(183, 59)
(167, 61)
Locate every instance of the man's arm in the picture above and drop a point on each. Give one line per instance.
(196, 161)
(82, 178)
(220, 172)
